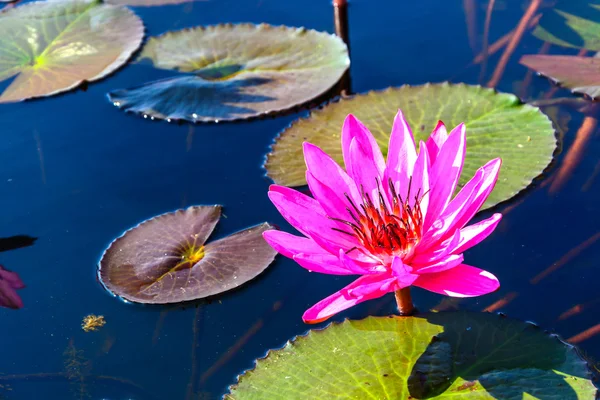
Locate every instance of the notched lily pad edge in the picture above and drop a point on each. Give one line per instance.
(121, 236)
(292, 342)
(558, 84)
(120, 63)
(558, 135)
(206, 299)
(318, 101)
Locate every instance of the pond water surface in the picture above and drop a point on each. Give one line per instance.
(76, 172)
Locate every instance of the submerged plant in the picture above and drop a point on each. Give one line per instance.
(395, 223)
(9, 284)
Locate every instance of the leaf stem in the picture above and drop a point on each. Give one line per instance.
(404, 301)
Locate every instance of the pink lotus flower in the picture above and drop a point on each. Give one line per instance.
(395, 223)
(9, 283)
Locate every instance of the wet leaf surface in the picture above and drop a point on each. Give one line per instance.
(498, 125)
(448, 355)
(165, 259)
(55, 46)
(231, 72)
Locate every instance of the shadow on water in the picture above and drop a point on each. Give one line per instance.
(495, 352)
(16, 242)
(192, 97)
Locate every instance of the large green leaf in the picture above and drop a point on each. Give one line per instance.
(54, 46)
(498, 125)
(166, 260)
(235, 72)
(572, 23)
(454, 355)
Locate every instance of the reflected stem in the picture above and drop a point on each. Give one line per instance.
(529, 74)
(486, 39)
(514, 41)
(500, 43)
(404, 301)
(471, 21)
(340, 20)
(575, 152)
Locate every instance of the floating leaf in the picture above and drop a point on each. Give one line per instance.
(450, 355)
(56, 45)
(580, 74)
(498, 125)
(165, 259)
(235, 72)
(571, 23)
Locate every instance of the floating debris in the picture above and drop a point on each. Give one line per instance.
(93, 322)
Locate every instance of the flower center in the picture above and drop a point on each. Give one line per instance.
(385, 230)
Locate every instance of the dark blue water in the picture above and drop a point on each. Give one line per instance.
(76, 172)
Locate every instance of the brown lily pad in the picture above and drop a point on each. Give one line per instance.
(580, 74)
(165, 259)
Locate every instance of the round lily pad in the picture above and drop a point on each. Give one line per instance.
(231, 72)
(498, 125)
(54, 46)
(454, 355)
(571, 23)
(165, 259)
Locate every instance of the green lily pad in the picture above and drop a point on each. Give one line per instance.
(232, 72)
(450, 355)
(165, 259)
(498, 125)
(54, 46)
(571, 23)
(580, 74)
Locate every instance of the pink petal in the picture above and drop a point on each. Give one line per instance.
(402, 273)
(12, 278)
(474, 234)
(461, 281)
(333, 202)
(289, 245)
(444, 226)
(443, 264)
(353, 129)
(9, 283)
(445, 172)
(490, 177)
(402, 154)
(386, 285)
(364, 172)
(324, 263)
(306, 215)
(361, 265)
(433, 255)
(325, 170)
(419, 185)
(342, 299)
(436, 140)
